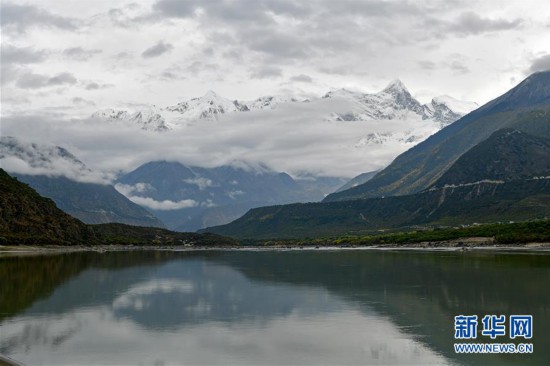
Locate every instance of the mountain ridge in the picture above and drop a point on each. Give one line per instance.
(419, 167)
(503, 178)
(28, 218)
(208, 194)
(389, 103)
(79, 191)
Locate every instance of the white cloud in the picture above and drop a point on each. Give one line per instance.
(292, 138)
(142, 188)
(243, 50)
(235, 194)
(200, 182)
(129, 190)
(165, 205)
(21, 157)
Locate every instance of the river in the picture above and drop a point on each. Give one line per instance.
(239, 307)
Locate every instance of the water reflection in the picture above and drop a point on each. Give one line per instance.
(351, 307)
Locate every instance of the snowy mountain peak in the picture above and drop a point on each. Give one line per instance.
(396, 86)
(148, 119)
(394, 102)
(211, 95)
(342, 93)
(270, 102)
(458, 106)
(209, 106)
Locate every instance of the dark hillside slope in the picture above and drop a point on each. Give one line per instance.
(504, 178)
(478, 203)
(27, 217)
(90, 202)
(525, 107)
(506, 155)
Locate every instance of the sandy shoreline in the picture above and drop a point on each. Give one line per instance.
(453, 245)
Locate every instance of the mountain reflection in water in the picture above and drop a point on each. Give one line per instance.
(267, 307)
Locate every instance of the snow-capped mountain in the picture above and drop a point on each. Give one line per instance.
(208, 106)
(396, 102)
(393, 103)
(148, 119)
(271, 102)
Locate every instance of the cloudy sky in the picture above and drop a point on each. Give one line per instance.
(62, 59)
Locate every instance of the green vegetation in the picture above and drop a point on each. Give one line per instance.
(26, 218)
(89, 202)
(519, 200)
(510, 233)
(137, 235)
(503, 178)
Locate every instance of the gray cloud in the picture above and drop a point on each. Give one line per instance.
(157, 50)
(96, 86)
(427, 64)
(197, 67)
(35, 81)
(21, 55)
(266, 136)
(19, 18)
(123, 56)
(8, 73)
(175, 8)
(285, 32)
(470, 23)
(459, 67)
(81, 102)
(541, 63)
(79, 53)
(277, 44)
(171, 75)
(302, 78)
(266, 72)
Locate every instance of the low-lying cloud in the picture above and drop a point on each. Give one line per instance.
(136, 192)
(29, 158)
(541, 63)
(293, 138)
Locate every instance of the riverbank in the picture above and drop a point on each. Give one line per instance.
(463, 244)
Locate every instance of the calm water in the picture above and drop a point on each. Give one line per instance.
(256, 307)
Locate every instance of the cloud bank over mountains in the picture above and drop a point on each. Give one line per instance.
(162, 51)
(62, 61)
(341, 134)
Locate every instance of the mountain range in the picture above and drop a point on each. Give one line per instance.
(496, 192)
(491, 165)
(28, 218)
(393, 102)
(396, 102)
(188, 198)
(525, 107)
(156, 194)
(57, 174)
